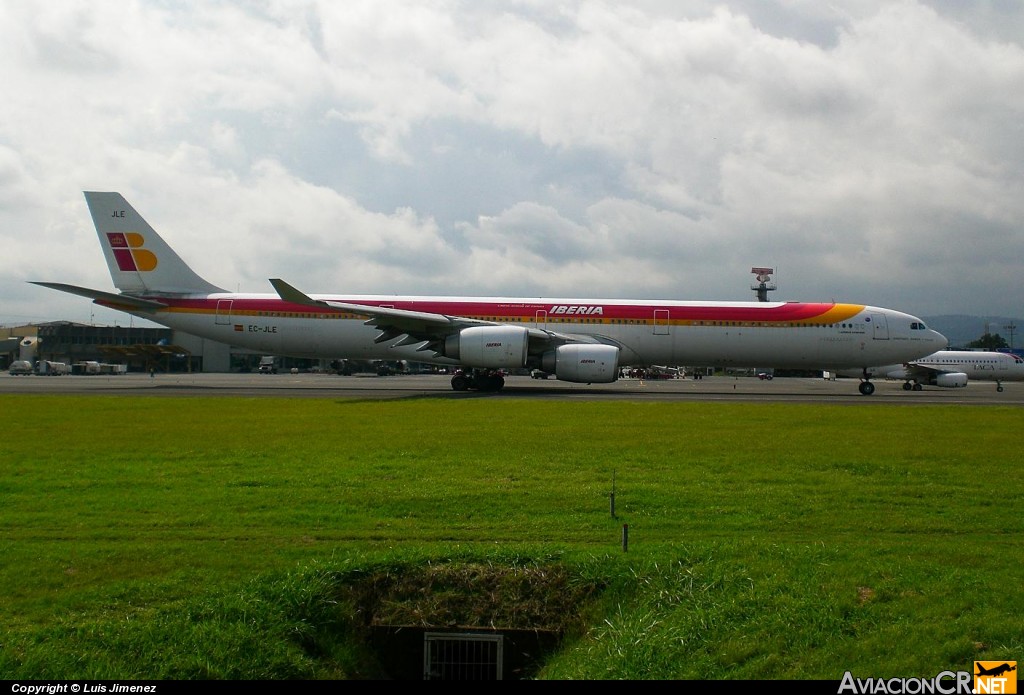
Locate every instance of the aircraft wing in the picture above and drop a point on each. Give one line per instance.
(416, 326)
(124, 302)
(914, 370)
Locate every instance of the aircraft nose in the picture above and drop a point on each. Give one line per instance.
(941, 341)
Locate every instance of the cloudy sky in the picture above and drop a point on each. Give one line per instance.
(871, 151)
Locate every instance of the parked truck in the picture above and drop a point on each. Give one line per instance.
(268, 365)
(20, 368)
(51, 368)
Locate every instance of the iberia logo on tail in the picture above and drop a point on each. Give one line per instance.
(128, 251)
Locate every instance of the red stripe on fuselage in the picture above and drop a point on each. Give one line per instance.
(786, 312)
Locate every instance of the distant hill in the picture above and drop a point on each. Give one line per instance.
(962, 329)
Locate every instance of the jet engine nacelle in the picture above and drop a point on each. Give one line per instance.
(583, 364)
(489, 346)
(953, 380)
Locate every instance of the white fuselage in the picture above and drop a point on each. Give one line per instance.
(776, 334)
(977, 365)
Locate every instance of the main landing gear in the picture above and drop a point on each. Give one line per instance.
(912, 386)
(866, 387)
(479, 380)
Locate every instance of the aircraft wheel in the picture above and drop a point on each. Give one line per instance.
(867, 388)
(918, 387)
(907, 386)
(999, 389)
(460, 382)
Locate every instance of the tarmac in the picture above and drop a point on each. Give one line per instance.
(364, 387)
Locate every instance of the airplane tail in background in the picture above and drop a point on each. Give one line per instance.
(140, 261)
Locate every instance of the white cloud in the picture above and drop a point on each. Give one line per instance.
(873, 152)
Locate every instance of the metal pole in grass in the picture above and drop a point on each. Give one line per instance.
(625, 538)
(612, 496)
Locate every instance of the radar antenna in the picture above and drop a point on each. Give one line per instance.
(764, 283)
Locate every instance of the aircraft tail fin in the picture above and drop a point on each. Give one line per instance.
(140, 261)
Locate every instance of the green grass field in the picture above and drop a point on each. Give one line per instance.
(241, 538)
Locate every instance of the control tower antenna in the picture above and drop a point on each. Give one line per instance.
(764, 283)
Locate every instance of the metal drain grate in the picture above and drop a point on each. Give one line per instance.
(462, 656)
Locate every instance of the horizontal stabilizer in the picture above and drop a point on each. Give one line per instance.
(116, 301)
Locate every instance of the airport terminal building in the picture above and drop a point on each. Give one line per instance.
(93, 349)
(138, 349)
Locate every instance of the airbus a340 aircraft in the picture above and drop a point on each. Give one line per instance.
(949, 368)
(576, 340)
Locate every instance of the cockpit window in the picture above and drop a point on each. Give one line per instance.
(918, 326)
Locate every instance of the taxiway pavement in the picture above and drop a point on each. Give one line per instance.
(312, 385)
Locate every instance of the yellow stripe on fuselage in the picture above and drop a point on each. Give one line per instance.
(837, 314)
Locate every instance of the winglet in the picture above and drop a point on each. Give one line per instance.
(293, 295)
(385, 318)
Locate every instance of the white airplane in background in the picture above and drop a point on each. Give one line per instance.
(950, 369)
(576, 340)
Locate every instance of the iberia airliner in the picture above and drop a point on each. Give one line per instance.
(576, 339)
